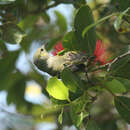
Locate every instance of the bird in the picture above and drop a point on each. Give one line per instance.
(53, 65)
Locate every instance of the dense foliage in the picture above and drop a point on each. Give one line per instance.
(86, 99)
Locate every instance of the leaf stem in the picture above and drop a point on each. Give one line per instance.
(116, 97)
(108, 90)
(97, 22)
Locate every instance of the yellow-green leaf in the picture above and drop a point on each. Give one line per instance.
(57, 89)
(115, 86)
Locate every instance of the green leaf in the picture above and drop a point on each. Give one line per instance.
(121, 4)
(123, 71)
(61, 22)
(52, 42)
(79, 3)
(7, 66)
(110, 124)
(30, 37)
(57, 89)
(121, 24)
(125, 82)
(45, 17)
(69, 82)
(121, 68)
(115, 86)
(76, 117)
(3, 49)
(12, 34)
(70, 42)
(60, 116)
(58, 102)
(96, 23)
(33, 6)
(78, 111)
(72, 83)
(83, 19)
(17, 87)
(92, 125)
(33, 36)
(28, 22)
(26, 42)
(122, 105)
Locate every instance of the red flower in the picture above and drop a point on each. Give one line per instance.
(101, 54)
(57, 48)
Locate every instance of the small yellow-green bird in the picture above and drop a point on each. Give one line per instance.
(53, 65)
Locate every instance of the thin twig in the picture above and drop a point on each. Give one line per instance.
(50, 6)
(100, 67)
(116, 59)
(45, 8)
(109, 65)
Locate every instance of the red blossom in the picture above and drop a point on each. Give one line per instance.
(101, 54)
(57, 48)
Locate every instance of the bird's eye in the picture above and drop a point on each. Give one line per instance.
(41, 49)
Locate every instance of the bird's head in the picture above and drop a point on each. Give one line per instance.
(41, 56)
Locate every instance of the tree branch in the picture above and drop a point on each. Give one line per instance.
(109, 65)
(116, 59)
(45, 8)
(50, 6)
